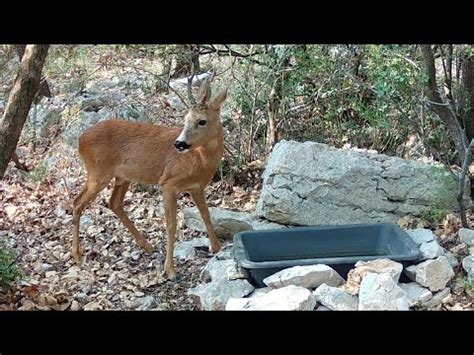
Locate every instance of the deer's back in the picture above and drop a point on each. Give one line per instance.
(130, 150)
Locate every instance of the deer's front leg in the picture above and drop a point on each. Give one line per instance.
(200, 201)
(169, 198)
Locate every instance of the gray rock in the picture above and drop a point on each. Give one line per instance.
(381, 292)
(214, 295)
(381, 266)
(434, 274)
(260, 224)
(82, 298)
(468, 266)
(378, 266)
(335, 298)
(410, 272)
(309, 276)
(431, 250)
(81, 122)
(335, 186)
(471, 250)
(144, 303)
(46, 116)
(46, 267)
(466, 236)
(226, 223)
(86, 221)
(453, 261)
(184, 250)
(199, 242)
(289, 298)
(437, 299)
(421, 235)
(416, 294)
(227, 269)
(225, 253)
(258, 292)
(51, 162)
(322, 308)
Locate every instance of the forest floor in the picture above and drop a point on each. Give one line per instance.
(36, 222)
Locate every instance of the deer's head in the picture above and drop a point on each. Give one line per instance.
(202, 122)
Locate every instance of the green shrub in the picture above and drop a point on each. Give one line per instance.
(9, 271)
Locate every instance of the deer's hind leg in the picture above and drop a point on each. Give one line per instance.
(92, 187)
(116, 205)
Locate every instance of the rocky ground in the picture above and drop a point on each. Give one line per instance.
(35, 221)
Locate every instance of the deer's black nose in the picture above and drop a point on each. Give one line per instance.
(180, 145)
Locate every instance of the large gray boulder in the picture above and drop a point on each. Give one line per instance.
(226, 223)
(311, 183)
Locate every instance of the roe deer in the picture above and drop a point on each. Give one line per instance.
(178, 159)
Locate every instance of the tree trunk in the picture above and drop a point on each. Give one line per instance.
(468, 89)
(440, 107)
(44, 89)
(25, 88)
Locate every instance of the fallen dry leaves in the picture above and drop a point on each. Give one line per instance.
(36, 222)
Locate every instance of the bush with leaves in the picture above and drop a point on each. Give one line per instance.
(9, 271)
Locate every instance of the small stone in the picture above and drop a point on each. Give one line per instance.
(466, 236)
(421, 235)
(416, 294)
(289, 298)
(322, 308)
(410, 272)
(214, 295)
(50, 274)
(468, 266)
(434, 274)
(437, 299)
(225, 253)
(135, 255)
(258, 292)
(335, 298)
(309, 276)
(92, 306)
(184, 251)
(75, 306)
(226, 223)
(453, 261)
(431, 250)
(227, 269)
(362, 268)
(145, 303)
(381, 292)
(46, 267)
(200, 242)
(82, 298)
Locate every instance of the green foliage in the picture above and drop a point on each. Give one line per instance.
(9, 271)
(443, 200)
(469, 286)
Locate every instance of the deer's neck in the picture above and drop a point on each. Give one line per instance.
(211, 152)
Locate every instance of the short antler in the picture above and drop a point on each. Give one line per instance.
(190, 92)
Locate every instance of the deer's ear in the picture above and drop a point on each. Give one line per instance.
(204, 92)
(219, 100)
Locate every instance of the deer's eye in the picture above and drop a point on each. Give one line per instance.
(202, 123)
